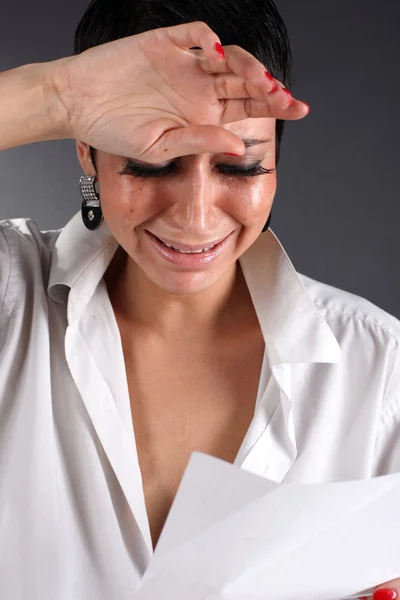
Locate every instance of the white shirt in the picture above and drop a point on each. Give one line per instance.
(73, 521)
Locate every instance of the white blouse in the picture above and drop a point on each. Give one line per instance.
(73, 521)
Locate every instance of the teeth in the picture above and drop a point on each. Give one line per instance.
(187, 251)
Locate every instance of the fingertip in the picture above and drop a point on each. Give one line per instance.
(289, 95)
(218, 48)
(385, 594)
(239, 149)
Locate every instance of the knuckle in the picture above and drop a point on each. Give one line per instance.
(204, 30)
(248, 107)
(203, 25)
(252, 68)
(222, 87)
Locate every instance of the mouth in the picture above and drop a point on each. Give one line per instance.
(189, 248)
(186, 255)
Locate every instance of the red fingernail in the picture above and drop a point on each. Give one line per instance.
(291, 97)
(220, 49)
(272, 80)
(230, 154)
(385, 594)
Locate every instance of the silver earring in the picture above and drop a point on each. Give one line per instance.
(92, 215)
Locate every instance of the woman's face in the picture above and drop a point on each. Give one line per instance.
(192, 203)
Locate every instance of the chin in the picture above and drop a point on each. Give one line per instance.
(184, 283)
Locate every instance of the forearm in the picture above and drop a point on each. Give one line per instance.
(30, 110)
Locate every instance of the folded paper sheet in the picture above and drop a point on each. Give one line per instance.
(234, 535)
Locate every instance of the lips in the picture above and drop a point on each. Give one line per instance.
(187, 259)
(188, 247)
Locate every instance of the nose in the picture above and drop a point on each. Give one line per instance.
(193, 202)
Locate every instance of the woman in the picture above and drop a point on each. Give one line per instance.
(166, 317)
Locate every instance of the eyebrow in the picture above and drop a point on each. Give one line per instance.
(253, 142)
(248, 142)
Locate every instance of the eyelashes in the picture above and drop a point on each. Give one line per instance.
(231, 171)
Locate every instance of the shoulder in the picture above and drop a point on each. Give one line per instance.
(21, 235)
(25, 258)
(369, 338)
(25, 252)
(340, 307)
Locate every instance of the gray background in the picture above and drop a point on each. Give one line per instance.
(337, 208)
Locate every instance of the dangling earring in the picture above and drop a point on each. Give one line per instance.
(267, 224)
(92, 215)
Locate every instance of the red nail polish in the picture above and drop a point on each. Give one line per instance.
(220, 49)
(230, 154)
(291, 97)
(272, 80)
(385, 594)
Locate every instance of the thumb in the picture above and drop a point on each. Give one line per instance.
(387, 591)
(197, 139)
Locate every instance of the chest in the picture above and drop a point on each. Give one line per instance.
(184, 400)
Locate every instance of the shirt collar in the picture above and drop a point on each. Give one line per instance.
(293, 328)
(79, 260)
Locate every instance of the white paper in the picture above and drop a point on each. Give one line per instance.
(231, 534)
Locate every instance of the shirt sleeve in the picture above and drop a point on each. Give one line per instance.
(387, 447)
(6, 300)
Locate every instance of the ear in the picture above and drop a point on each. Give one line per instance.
(83, 153)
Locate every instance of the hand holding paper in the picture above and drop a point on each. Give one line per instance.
(232, 534)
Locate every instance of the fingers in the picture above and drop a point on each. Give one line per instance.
(197, 33)
(388, 591)
(284, 106)
(242, 63)
(241, 75)
(237, 76)
(237, 110)
(244, 100)
(195, 139)
(230, 86)
(237, 60)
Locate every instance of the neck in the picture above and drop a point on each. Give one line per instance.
(140, 302)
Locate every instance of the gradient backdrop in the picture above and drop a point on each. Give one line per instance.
(337, 209)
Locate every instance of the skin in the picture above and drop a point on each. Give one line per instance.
(194, 205)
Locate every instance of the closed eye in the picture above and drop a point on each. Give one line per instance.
(229, 170)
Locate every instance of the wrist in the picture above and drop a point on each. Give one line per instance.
(54, 87)
(30, 110)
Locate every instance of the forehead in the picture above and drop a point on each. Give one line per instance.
(256, 129)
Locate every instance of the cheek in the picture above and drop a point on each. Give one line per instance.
(250, 203)
(124, 203)
(129, 202)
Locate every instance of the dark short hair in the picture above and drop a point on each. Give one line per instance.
(254, 25)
